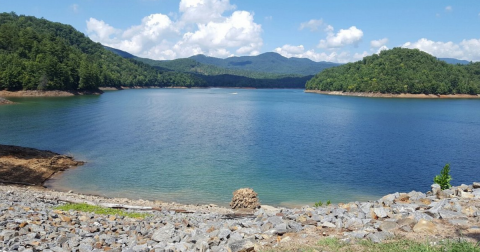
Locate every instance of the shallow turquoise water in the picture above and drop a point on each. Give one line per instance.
(293, 148)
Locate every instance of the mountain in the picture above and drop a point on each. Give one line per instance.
(267, 63)
(218, 74)
(40, 54)
(455, 61)
(124, 54)
(400, 70)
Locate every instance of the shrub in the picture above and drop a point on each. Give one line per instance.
(444, 178)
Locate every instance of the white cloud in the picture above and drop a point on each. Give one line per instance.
(350, 36)
(99, 30)
(378, 43)
(201, 29)
(299, 52)
(313, 24)
(204, 11)
(329, 28)
(75, 8)
(382, 48)
(465, 50)
(448, 8)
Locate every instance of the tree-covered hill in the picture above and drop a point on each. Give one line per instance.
(269, 62)
(36, 54)
(400, 70)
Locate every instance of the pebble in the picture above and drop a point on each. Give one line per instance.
(28, 222)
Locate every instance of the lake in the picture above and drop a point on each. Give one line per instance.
(293, 148)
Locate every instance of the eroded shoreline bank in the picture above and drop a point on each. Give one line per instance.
(409, 96)
(29, 166)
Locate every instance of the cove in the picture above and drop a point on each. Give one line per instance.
(291, 147)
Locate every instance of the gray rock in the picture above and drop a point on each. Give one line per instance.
(416, 195)
(379, 236)
(275, 231)
(476, 193)
(365, 207)
(435, 189)
(446, 214)
(328, 225)
(476, 185)
(235, 237)
(357, 234)
(224, 234)
(459, 221)
(140, 248)
(353, 224)
(387, 226)
(380, 212)
(164, 234)
(436, 207)
(338, 212)
(241, 246)
(275, 220)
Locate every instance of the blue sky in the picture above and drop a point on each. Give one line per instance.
(337, 31)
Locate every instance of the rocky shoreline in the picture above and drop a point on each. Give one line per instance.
(28, 222)
(380, 95)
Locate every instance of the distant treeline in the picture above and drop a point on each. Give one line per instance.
(36, 54)
(400, 70)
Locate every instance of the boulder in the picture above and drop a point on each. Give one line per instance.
(245, 198)
(241, 246)
(424, 226)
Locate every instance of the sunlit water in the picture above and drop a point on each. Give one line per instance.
(293, 148)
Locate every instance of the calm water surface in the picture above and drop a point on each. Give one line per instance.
(293, 148)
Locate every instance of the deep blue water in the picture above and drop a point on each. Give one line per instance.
(293, 148)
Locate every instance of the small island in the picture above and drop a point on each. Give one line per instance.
(399, 72)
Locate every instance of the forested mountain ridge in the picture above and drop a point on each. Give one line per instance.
(400, 70)
(269, 62)
(455, 61)
(37, 54)
(216, 76)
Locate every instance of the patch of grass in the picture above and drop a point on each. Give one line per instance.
(329, 244)
(332, 243)
(100, 210)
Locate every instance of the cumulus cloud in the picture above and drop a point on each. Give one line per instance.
(378, 43)
(99, 30)
(448, 8)
(204, 11)
(300, 52)
(350, 36)
(465, 50)
(382, 48)
(313, 24)
(202, 28)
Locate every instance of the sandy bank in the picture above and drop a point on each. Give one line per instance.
(51, 93)
(380, 95)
